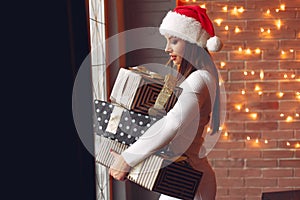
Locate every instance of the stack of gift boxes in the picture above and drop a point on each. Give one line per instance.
(139, 98)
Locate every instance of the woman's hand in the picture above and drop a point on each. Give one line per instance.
(119, 169)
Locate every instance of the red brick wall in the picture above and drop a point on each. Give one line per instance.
(256, 155)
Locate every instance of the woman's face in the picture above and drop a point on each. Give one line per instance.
(175, 48)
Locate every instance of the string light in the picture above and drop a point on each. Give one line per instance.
(246, 109)
(226, 28)
(282, 7)
(234, 11)
(297, 115)
(260, 92)
(261, 74)
(252, 72)
(222, 64)
(257, 88)
(241, 10)
(257, 51)
(278, 24)
(253, 115)
(266, 141)
(293, 75)
(203, 6)
(243, 92)
(289, 119)
(281, 115)
(285, 76)
(280, 94)
(277, 10)
(262, 30)
(245, 73)
(248, 51)
(268, 12)
(240, 49)
(269, 31)
(288, 144)
(248, 138)
(297, 145)
(226, 134)
(225, 8)
(291, 50)
(237, 29)
(218, 21)
(238, 106)
(298, 95)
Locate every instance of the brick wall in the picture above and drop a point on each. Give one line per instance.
(259, 149)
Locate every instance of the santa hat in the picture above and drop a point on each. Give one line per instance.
(191, 24)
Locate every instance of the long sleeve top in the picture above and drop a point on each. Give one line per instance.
(183, 126)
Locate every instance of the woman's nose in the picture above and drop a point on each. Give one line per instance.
(168, 48)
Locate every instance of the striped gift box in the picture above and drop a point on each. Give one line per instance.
(176, 179)
(138, 91)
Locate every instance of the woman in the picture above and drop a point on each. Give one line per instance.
(190, 35)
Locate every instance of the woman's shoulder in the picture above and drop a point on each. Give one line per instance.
(196, 81)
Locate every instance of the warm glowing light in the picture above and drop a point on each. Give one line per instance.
(222, 64)
(269, 31)
(226, 134)
(234, 11)
(260, 93)
(298, 95)
(248, 51)
(266, 141)
(256, 141)
(278, 24)
(241, 10)
(282, 7)
(262, 30)
(282, 52)
(208, 129)
(238, 106)
(281, 115)
(252, 72)
(280, 94)
(293, 75)
(297, 115)
(240, 49)
(288, 144)
(248, 138)
(225, 8)
(257, 51)
(226, 28)
(297, 145)
(203, 6)
(257, 88)
(243, 92)
(277, 10)
(289, 119)
(291, 50)
(237, 30)
(253, 115)
(246, 109)
(218, 21)
(245, 73)
(261, 74)
(285, 76)
(268, 12)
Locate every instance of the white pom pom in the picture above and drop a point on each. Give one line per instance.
(214, 44)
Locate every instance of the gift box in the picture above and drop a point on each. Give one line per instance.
(120, 124)
(157, 173)
(139, 90)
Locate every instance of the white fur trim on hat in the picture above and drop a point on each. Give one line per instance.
(188, 29)
(183, 27)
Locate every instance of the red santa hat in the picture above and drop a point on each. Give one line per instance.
(191, 24)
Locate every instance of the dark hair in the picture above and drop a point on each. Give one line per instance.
(192, 60)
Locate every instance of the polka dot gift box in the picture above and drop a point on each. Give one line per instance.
(120, 124)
